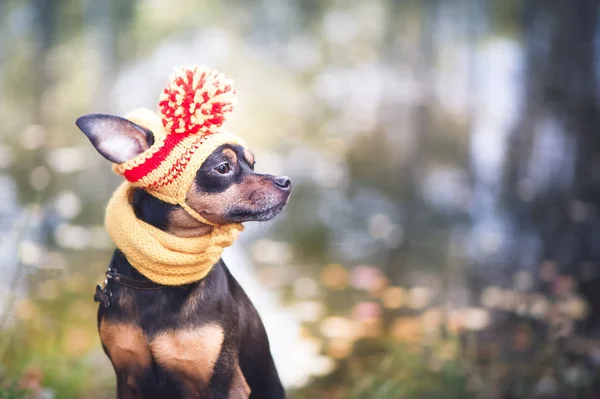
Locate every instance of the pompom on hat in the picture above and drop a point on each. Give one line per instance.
(188, 129)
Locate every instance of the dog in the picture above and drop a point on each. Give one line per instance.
(204, 339)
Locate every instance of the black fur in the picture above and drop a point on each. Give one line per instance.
(211, 181)
(152, 210)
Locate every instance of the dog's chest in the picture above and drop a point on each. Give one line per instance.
(190, 354)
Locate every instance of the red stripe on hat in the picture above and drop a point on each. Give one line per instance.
(139, 172)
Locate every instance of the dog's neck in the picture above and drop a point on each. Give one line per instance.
(170, 218)
(158, 254)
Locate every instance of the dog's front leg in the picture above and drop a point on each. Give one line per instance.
(127, 387)
(126, 346)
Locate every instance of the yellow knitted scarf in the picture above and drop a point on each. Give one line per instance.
(162, 257)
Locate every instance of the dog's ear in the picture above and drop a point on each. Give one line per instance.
(115, 138)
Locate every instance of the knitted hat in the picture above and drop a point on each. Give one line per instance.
(188, 129)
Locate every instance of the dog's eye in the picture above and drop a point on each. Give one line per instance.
(223, 168)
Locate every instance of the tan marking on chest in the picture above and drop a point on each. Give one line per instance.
(191, 353)
(239, 387)
(126, 344)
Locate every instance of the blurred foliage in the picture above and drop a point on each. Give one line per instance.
(11, 393)
(382, 370)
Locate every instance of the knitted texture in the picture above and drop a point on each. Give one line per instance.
(187, 130)
(159, 256)
(192, 108)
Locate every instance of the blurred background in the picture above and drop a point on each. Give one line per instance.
(443, 236)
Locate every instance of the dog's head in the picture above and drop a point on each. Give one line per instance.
(226, 189)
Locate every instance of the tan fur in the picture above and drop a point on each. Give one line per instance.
(239, 387)
(127, 346)
(191, 353)
(231, 155)
(254, 192)
(249, 157)
(214, 206)
(182, 224)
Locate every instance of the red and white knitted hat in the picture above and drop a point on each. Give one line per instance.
(188, 129)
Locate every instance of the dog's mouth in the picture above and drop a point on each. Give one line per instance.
(261, 214)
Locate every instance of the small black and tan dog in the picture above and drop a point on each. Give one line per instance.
(200, 340)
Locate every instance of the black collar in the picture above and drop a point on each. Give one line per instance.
(104, 295)
(132, 282)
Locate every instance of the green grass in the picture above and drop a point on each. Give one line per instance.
(11, 392)
(389, 371)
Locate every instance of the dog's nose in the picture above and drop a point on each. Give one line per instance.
(283, 182)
